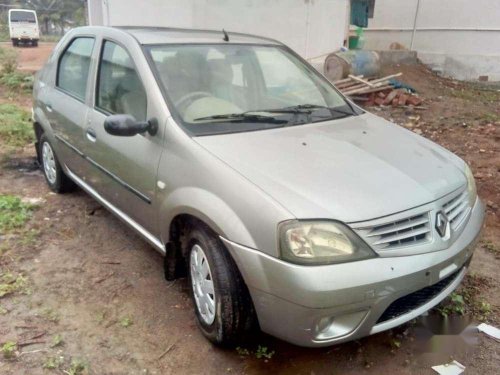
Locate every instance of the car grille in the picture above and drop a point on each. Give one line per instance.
(416, 228)
(408, 231)
(416, 299)
(457, 209)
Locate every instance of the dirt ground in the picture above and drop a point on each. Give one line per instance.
(31, 58)
(101, 288)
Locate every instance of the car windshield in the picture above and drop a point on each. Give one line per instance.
(227, 88)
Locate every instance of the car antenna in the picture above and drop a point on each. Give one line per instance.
(226, 37)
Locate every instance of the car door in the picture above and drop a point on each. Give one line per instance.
(65, 104)
(123, 169)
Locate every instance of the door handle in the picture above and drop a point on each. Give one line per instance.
(91, 135)
(49, 107)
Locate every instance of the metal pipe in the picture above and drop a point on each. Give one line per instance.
(414, 25)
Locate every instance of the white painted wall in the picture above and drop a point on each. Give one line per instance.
(459, 37)
(310, 27)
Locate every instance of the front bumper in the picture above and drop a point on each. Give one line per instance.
(324, 305)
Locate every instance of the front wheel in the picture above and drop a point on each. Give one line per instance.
(54, 175)
(223, 307)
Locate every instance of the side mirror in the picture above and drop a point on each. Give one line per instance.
(127, 126)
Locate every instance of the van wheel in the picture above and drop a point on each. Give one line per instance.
(54, 175)
(223, 307)
(14, 43)
(35, 43)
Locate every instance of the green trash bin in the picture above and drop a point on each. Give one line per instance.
(353, 42)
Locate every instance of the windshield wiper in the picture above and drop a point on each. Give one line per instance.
(240, 117)
(307, 109)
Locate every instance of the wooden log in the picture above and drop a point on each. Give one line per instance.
(346, 80)
(361, 80)
(368, 90)
(356, 89)
(386, 78)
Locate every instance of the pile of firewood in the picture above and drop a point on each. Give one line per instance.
(376, 91)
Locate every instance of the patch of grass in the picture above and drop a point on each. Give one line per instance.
(52, 363)
(30, 237)
(471, 94)
(57, 340)
(492, 248)
(467, 300)
(395, 344)
(456, 305)
(263, 352)
(8, 60)
(50, 314)
(100, 316)
(13, 212)
(10, 284)
(9, 349)
(490, 117)
(126, 321)
(243, 352)
(17, 81)
(3, 310)
(77, 367)
(15, 126)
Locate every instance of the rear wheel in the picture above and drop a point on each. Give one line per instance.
(35, 43)
(54, 175)
(222, 303)
(14, 43)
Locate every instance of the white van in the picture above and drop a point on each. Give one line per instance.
(23, 26)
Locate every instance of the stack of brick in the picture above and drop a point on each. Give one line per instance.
(379, 91)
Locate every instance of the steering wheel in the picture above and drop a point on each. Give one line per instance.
(189, 98)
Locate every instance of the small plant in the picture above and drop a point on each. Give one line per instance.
(13, 212)
(16, 129)
(126, 321)
(492, 248)
(52, 363)
(396, 344)
(263, 352)
(77, 367)
(456, 305)
(10, 284)
(8, 61)
(243, 352)
(57, 340)
(9, 349)
(51, 315)
(30, 237)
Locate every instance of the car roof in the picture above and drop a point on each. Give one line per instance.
(168, 35)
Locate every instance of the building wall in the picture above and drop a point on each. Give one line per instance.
(461, 38)
(310, 27)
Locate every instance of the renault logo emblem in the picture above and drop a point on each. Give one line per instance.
(442, 224)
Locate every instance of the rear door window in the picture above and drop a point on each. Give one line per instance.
(74, 65)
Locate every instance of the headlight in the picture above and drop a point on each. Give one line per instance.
(471, 185)
(321, 242)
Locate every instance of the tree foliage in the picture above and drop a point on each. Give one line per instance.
(54, 16)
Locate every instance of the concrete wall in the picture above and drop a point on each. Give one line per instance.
(310, 27)
(460, 38)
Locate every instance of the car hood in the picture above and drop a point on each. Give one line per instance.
(354, 169)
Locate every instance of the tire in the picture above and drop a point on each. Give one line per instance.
(54, 175)
(231, 315)
(34, 43)
(14, 43)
